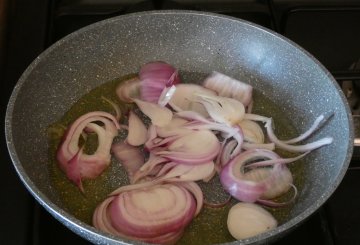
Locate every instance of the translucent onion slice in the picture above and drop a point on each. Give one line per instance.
(222, 109)
(137, 131)
(160, 116)
(199, 147)
(184, 98)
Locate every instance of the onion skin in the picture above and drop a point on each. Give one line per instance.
(155, 77)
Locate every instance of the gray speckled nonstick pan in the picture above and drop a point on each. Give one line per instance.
(193, 42)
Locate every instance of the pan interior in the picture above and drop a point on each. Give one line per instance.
(82, 205)
(197, 44)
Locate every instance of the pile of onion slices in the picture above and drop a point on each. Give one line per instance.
(196, 132)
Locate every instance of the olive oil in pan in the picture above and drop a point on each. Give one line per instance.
(209, 226)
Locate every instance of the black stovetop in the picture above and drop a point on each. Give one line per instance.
(330, 31)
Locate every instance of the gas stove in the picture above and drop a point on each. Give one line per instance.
(329, 30)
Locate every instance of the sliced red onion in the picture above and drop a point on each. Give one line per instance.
(252, 131)
(195, 190)
(317, 123)
(155, 76)
(73, 161)
(184, 98)
(160, 116)
(295, 148)
(266, 163)
(130, 157)
(137, 131)
(267, 146)
(229, 87)
(196, 148)
(282, 180)
(287, 145)
(233, 179)
(274, 204)
(227, 151)
(157, 143)
(246, 220)
(192, 115)
(183, 172)
(175, 127)
(147, 168)
(152, 212)
(227, 131)
(222, 109)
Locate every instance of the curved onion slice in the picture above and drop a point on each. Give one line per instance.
(71, 158)
(183, 172)
(288, 144)
(149, 167)
(137, 133)
(225, 155)
(201, 123)
(184, 98)
(160, 116)
(252, 131)
(196, 148)
(281, 184)
(195, 190)
(175, 127)
(155, 77)
(234, 180)
(295, 148)
(229, 87)
(222, 109)
(155, 214)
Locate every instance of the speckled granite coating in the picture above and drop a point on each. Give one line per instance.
(191, 41)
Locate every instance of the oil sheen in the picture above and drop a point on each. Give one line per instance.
(209, 226)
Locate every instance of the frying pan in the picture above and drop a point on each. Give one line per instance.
(194, 42)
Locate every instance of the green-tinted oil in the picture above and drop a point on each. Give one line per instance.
(209, 226)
